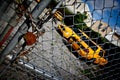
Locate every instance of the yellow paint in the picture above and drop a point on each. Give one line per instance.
(58, 15)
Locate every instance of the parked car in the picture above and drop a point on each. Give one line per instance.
(84, 46)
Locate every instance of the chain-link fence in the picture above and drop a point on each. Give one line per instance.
(64, 40)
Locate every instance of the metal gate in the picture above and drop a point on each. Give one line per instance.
(75, 40)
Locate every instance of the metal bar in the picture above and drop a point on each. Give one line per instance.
(54, 10)
(4, 5)
(10, 17)
(22, 30)
(11, 24)
(33, 68)
(47, 75)
(8, 27)
(7, 17)
(40, 7)
(4, 32)
(9, 13)
(6, 36)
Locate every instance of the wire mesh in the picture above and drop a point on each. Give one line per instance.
(55, 57)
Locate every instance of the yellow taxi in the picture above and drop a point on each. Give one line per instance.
(83, 44)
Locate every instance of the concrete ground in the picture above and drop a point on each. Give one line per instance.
(51, 54)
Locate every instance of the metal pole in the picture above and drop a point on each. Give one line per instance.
(39, 9)
(3, 6)
(6, 17)
(23, 29)
(8, 26)
(54, 10)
